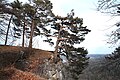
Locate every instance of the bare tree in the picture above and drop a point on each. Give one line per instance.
(109, 6)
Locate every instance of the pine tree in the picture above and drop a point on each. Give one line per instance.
(9, 11)
(31, 18)
(37, 17)
(2, 17)
(70, 32)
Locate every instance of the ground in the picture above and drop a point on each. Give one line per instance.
(18, 63)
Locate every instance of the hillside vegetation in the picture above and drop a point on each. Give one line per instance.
(22, 63)
(102, 69)
(29, 64)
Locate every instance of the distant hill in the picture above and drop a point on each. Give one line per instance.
(96, 55)
(101, 69)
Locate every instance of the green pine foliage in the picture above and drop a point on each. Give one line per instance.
(29, 20)
(115, 54)
(35, 18)
(70, 31)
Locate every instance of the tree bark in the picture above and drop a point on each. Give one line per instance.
(23, 39)
(57, 43)
(31, 34)
(8, 30)
(56, 54)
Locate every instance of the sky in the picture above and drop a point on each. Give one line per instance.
(99, 24)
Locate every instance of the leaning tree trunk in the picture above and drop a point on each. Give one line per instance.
(57, 43)
(8, 30)
(56, 54)
(31, 34)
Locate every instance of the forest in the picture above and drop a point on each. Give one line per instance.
(22, 22)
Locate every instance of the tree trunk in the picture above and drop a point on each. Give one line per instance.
(8, 30)
(57, 43)
(31, 34)
(23, 39)
(56, 54)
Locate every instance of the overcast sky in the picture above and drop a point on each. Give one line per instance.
(99, 23)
